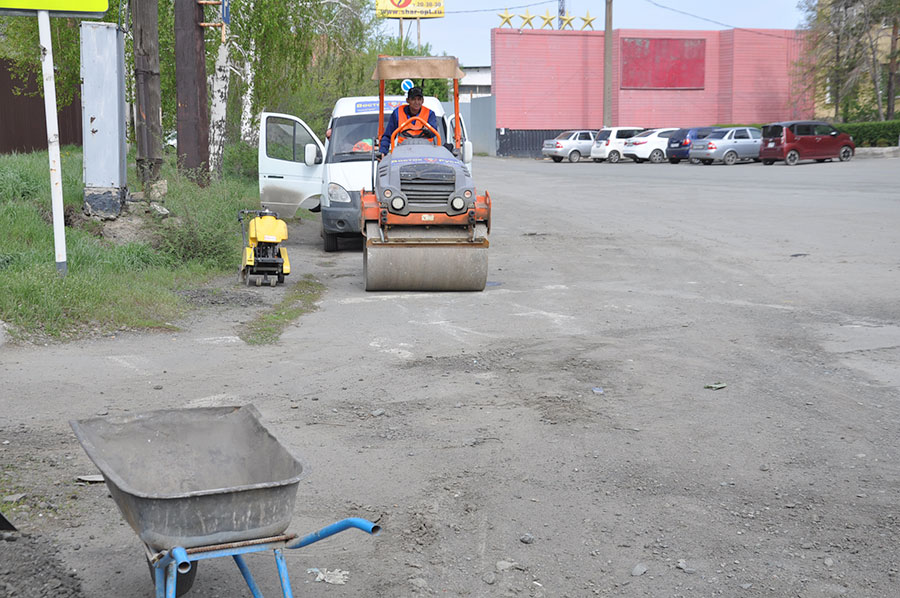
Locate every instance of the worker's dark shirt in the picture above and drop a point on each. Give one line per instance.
(384, 145)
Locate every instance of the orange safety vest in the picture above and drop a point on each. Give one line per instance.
(417, 127)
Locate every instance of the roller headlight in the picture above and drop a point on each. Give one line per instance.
(337, 194)
(457, 203)
(397, 203)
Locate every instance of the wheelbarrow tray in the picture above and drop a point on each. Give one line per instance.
(194, 477)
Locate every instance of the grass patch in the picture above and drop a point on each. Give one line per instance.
(299, 299)
(108, 286)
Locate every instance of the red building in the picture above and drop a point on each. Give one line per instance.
(546, 81)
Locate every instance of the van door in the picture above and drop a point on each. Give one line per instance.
(284, 180)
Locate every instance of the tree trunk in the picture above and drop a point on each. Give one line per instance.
(192, 113)
(148, 116)
(248, 131)
(892, 71)
(218, 111)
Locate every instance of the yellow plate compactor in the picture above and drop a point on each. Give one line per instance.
(263, 261)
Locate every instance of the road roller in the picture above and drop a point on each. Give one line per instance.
(425, 225)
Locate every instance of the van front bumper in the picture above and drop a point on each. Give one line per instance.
(343, 218)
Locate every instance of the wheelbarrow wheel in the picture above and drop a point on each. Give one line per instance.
(183, 581)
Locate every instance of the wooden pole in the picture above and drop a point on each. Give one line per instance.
(607, 65)
(192, 112)
(147, 124)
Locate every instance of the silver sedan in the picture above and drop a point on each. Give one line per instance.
(728, 146)
(571, 145)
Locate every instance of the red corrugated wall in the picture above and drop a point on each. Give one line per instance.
(544, 79)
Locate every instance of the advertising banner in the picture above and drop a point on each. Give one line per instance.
(409, 9)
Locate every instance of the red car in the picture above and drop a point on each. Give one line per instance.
(804, 140)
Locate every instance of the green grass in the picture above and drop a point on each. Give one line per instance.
(267, 327)
(108, 287)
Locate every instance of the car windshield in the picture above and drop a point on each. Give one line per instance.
(564, 135)
(717, 135)
(772, 131)
(352, 137)
(645, 134)
(602, 135)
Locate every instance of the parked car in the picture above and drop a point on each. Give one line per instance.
(681, 141)
(649, 145)
(610, 141)
(571, 145)
(728, 146)
(793, 141)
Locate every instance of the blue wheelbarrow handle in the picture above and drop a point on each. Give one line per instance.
(336, 528)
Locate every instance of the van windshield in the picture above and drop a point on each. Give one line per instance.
(352, 137)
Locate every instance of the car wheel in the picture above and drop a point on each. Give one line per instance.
(768, 162)
(657, 156)
(792, 158)
(575, 156)
(845, 154)
(706, 162)
(613, 157)
(674, 160)
(730, 158)
(556, 159)
(637, 160)
(329, 242)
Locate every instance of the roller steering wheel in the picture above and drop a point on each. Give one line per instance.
(407, 126)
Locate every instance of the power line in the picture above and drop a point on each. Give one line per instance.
(657, 4)
(459, 12)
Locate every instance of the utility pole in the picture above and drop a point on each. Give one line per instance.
(192, 113)
(561, 12)
(147, 121)
(607, 66)
(892, 70)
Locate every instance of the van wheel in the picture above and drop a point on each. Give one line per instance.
(730, 158)
(674, 160)
(845, 154)
(329, 242)
(613, 157)
(575, 156)
(792, 158)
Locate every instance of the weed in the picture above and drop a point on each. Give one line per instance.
(300, 299)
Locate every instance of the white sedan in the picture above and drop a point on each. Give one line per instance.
(649, 145)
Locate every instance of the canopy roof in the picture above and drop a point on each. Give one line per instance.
(419, 67)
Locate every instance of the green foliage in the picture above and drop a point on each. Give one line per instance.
(869, 134)
(240, 160)
(267, 327)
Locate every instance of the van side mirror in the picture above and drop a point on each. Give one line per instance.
(467, 152)
(311, 155)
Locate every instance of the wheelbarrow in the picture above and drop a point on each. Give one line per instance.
(196, 484)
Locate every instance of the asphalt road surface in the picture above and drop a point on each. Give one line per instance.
(553, 435)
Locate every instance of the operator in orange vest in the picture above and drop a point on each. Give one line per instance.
(413, 107)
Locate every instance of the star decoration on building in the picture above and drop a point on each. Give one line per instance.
(526, 19)
(548, 19)
(566, 20)
(588, 21)
(506, 17)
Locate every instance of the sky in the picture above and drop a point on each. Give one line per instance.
(465, 31)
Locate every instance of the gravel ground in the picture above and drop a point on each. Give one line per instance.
(30, 567)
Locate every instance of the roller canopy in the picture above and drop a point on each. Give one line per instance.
(419, 67)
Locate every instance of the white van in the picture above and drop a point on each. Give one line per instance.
(341, 169)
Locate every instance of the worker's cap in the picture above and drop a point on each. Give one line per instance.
(415, 92)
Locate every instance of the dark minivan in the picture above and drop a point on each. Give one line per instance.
(681, 140)
(793, 141)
